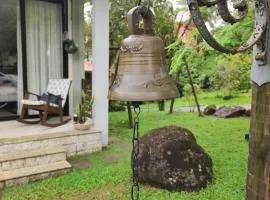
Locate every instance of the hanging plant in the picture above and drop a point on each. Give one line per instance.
(69, 45)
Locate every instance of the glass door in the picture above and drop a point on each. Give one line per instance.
(8, 59)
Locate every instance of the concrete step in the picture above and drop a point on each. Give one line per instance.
(31, 158)
(27, 174)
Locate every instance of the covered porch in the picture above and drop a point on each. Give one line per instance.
(32, 152)
(37, 61)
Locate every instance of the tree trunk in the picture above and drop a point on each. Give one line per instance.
(130, 118)
(193, 90)
(258, 178)
(171, 106)
(161, 105)
(177, 77)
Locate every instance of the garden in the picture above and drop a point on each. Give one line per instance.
(107, 174)
(198, 72)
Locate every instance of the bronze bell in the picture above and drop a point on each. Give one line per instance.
(141, 74)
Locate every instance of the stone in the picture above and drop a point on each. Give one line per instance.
(230, 111)
(170, 158)
(227, 97)
(210, 110)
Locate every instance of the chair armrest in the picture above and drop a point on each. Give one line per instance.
(27, 94)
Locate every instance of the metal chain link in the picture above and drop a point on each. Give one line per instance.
(135, 189)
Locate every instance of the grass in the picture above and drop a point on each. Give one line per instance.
(223, 139)
(208, 98)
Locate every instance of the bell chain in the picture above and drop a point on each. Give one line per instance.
(135, 190)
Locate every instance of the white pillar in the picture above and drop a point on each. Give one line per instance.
(100, 74)
(76, 60)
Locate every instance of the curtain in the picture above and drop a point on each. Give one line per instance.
(44, 44)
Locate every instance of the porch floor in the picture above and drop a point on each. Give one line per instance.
(14, 129)
(38, 136)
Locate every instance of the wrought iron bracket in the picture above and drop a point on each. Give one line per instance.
(260, 49)
(262, 10)
(260, 73)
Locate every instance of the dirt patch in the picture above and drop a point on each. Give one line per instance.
(112, 158)
(123, 145)
(119, 143)
(113, 140)
(80, 164)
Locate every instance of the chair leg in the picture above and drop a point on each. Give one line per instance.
(44, 121)
(44, 117)
(40, 115)
(23, 113)
(22, 117)
(61, 115)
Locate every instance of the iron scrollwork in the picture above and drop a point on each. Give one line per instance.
(258, 37)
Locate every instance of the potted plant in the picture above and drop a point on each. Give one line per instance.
(81, 117)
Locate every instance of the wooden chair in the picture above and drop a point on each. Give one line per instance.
(58, 90)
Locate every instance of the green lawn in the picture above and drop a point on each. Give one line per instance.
(223, 139)
(208, 98)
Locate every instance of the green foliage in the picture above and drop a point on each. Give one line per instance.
(232, 73)
(188, 95)
(222, 139)
(83, 108)
(209, 67)
(116, 106)
(164, 19)
(233, 35)
(88, 32)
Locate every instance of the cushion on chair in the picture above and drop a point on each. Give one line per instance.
(36, 103)
(44, 97)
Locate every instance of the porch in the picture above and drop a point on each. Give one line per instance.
(33, 152)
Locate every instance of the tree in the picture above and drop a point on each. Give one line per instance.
(193, 90)
(88, 31)
(232, 73)
(164, 19)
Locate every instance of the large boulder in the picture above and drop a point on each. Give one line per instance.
(210, 110)
(171, 158)
(228, 112)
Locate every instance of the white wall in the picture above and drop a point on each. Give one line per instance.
(100, 80)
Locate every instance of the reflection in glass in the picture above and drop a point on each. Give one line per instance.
(8, 58)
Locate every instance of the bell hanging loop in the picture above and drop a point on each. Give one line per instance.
(134, 16)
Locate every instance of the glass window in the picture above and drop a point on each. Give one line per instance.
(8, 58)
